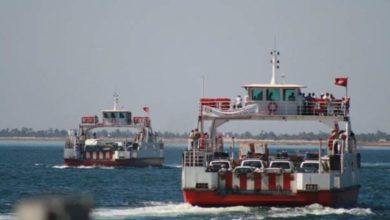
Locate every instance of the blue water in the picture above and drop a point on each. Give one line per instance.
(29, 169)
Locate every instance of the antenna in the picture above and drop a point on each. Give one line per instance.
(116, 100)
(275, 65)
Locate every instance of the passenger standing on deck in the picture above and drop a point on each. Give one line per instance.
(192, 139)
(310, 105)
(238, 102)
(196, 137)
(219, 142)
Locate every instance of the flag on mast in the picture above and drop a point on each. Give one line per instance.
(341, 81)
(146, 109)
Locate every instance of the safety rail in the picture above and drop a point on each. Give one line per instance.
(201, 144)
(315, 107)
(193, 158)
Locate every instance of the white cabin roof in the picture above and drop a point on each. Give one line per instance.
(273, 86)
(115, 110)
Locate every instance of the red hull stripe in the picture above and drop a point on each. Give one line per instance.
(127, 162)
(286, 182)
(271, 181)
(229, 180)
(257, 179)
(346, 197)
(243, 180)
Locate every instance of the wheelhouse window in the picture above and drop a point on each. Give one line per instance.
(289, 94)
(121, 115)
(106, 115)
(273, 94)
(257, 94)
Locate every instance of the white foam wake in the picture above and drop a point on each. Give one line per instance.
(377, 164)
(60, 166)
(315, 209)
(173, 165)
(78, 167)
(157, 209)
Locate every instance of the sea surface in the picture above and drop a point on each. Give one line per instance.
(30, 169)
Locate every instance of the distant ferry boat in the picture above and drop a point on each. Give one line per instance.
(213, 177)
(83, 147)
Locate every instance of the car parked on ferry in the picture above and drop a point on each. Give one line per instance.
(218, 165)
(243, 169)
(309, 166)
(257, 164)
(285, 165)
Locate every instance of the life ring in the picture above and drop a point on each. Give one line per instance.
(272, 107)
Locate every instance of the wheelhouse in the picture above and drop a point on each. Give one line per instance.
(275, 99)
(116, 117)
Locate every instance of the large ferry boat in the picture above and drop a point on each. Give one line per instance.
(84, 147)
(330, 176)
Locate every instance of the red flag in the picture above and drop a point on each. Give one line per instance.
(341, 81)
(146, 109)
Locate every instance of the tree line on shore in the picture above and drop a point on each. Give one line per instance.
(59, 133)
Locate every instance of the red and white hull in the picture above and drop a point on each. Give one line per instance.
(335, 198)
(207, 188)
(133, 162)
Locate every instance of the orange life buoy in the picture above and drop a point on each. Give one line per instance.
(272, 107)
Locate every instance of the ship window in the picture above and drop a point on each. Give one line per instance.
(121, 115)
(273, 94)
(112, 114)
(252, 164)
(105, 115)
(289, 94)
(282, 165)
(257, 94)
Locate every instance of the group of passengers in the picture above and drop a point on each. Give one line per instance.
(198, 140)
(195, 135)
(325, 104)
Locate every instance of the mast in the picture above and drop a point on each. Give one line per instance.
(275, 65)
(116, 101)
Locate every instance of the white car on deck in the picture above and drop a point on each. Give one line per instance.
(257, 164)
(285, 165)
(310, 166)
(217, 165)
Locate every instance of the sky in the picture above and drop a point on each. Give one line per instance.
(60, 60)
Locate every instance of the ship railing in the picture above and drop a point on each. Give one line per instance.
(201, 144)
(315, 107)
(194, 158)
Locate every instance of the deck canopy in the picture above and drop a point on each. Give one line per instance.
(272, 86)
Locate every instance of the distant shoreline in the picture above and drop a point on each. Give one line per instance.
(226, 140)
